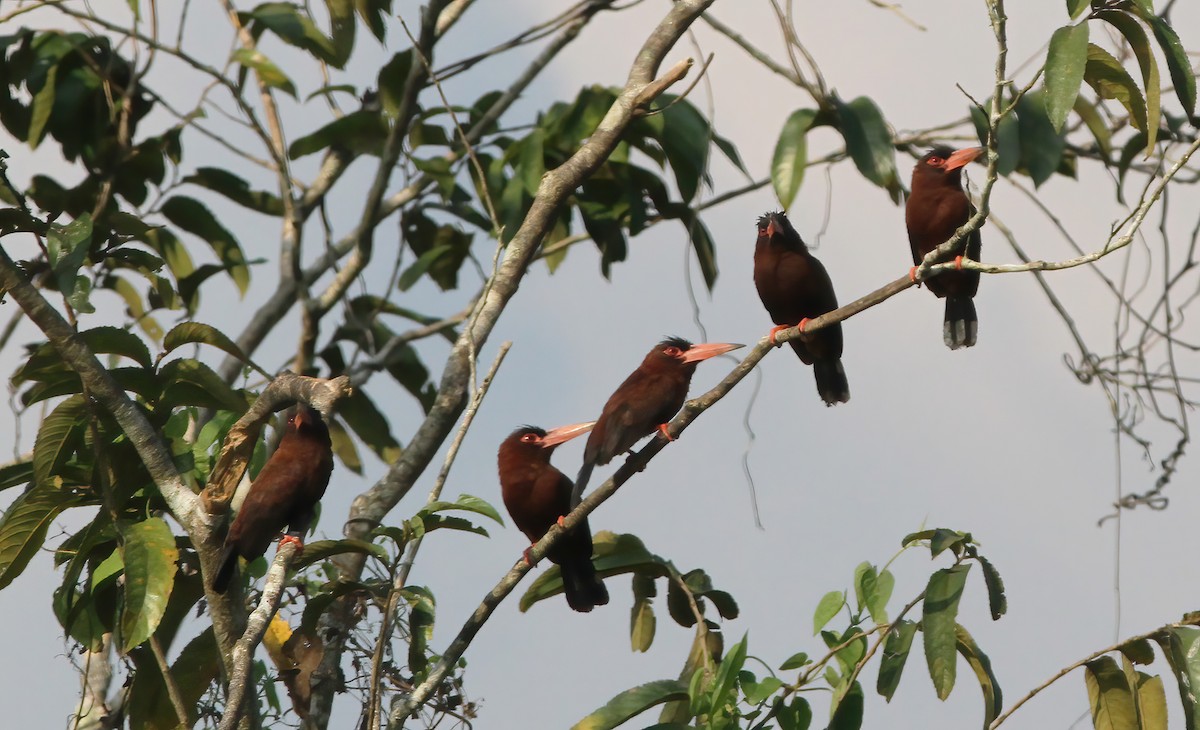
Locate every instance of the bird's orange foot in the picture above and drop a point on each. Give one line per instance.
(958, 263)
(912, 276)
(803, 324)
(560, 519)
(776, 330)
(526, 554)
(292, 538)
(662, 428)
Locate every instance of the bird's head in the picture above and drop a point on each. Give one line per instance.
(945, 163)
(531, 442)
(306, 419)
(676, 351)
(775, 229)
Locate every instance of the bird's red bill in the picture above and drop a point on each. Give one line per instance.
(696, 353)
(963, 157)
(562, 434)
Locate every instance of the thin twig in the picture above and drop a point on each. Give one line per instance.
(410, 556)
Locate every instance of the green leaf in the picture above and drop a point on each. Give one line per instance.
(117, 341)
(869, 142)
(422, 607)
(685, 139)
(993, 699)
(149, 554)
(186, 333)
(361, 132)
(997, 601)
(791, 156)
(1041, 146)
(192, 383)
(57, 437)
(1076, 7)
(725, 683)
(1182, 649)
(939, 624)
(1140, 43)
(1109, 79)
(1138, 652)
(632, 702)
(895, 656)
(1151, 702)
(873, 591)
(757, 693)
(465, 502)
(1008, 139)
(827, 608)
(67, 249)
(1096, 125)
(268, 73)
(1109, 696)
(531, 164)
(642, 622)
(236, 189)
(418, 268)
(16, 474)
(848, 713)
(359, 412)
(318, 550)
(194, 217)
(1178, 63)
(296, 29)
(344, 448)
(703, 246)
(796, 716)
(393, 76)
(43, 105)
(795, 661)
(1065, 62)
(24, 525)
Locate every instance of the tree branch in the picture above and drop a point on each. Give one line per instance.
(243, 651)
(370, 507)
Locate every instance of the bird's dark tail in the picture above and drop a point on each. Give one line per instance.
(229, 560)
(581, 480)
(961, 324)
(831, 381)
(583, 588)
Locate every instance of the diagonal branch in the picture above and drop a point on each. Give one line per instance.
(370, 507)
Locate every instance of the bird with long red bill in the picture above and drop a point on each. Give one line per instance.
(794, 287)
(285, 494)
(537, 495)
(936, 208)
(644, 403)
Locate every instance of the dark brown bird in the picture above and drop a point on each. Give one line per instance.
(647, 399)
(537, 495)
(794, 287)
(936, 208)
(284, 495)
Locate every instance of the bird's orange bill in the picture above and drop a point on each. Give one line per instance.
(696, 353)
(963, 157)
(562, 434)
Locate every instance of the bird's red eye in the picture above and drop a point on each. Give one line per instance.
(529, 438)
(936, 161)
(672, 351)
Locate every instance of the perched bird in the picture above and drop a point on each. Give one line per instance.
(537, 495)
(285, 493)
(794, 287)
(647, 399)
(936, 208)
